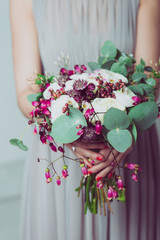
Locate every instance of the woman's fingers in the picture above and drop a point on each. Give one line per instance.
(83, 152)
(119, 158)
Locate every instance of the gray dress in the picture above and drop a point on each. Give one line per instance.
(79, 28)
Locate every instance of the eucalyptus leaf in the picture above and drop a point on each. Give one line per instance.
(118, 68)
(147, 89)
(134, 132)
(32, 97)
(107, 65)
(148, 69)
(124, 60)
(120, 139)
(64, 127)
(94, 66)
(109, 50)
(136, 89)
(151, 97)
(18, 143)
(115, 118)
(22, 146)
(144, 115)
(138, 76)
(140, 68)
(102, 60)
(14, 141)
(151, 82)
(142, 62)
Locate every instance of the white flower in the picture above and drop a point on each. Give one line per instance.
(54, 87)
(102, 105)
(82, 76)
(69, 85)
(124, 96)
(108, 76)
(57, 105)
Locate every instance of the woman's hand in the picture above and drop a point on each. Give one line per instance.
(111, 158)
(85, 151)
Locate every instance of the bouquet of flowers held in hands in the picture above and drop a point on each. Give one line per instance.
(106, 105)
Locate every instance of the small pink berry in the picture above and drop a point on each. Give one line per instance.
(120, 183)
(49, 138)
(134, 177)
(100, 184)
(35, 131)
(77, 68)
(60, 149)
(58, 180)
(64, 173)
(35, 104)
(84, 171)
(80, 132)
(53, 147)
(110, 193)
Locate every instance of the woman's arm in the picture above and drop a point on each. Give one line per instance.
(25, 51)
(148, 48)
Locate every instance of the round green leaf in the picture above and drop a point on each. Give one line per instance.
(109, 50)
(120, 139)
(124, 60)
(147, 89)
(136, 89)
(94, 66)
(107, 65)
(115, 118)
(151, 82)
(118, 68)
(64, 127)
(137, 76)
(32, 97)
(144, 115)
(102, 60)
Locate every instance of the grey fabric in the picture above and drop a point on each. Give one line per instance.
(79, 28)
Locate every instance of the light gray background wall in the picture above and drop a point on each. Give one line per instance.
(12, 124)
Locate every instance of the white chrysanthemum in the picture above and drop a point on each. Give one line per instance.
(57, 105)
(108, 76)
(102, 105)
(54, 86)
(124, 96)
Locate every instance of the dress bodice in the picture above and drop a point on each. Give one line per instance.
(80, 27)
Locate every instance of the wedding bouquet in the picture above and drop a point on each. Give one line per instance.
(106, 105)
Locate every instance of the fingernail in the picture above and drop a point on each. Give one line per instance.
(99, 158)
(98, 178)
(90, 172)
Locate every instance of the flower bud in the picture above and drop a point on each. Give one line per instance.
(58, 180)
(120, 183)
(110, 193)
(84, 171)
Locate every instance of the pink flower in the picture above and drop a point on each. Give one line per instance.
(70, 72)
(80, 132)
(120, 183)
(60, 149)
(115, 194)
(100, 184)
(53, 147)
(84, 171)
(136, 100)
(48, 176)
(35, 104)
(110, 193)
(130, 165)
(64, 173)
(35, 131)
(58, 180)
(49, 138)
(134, 177)
(83, 67)
(63, 71)
(77, 68)
(98, 127)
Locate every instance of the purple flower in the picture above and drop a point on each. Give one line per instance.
(80, 84)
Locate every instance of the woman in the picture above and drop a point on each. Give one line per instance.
(41, 30)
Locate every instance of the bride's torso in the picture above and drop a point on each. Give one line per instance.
(80, 27)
